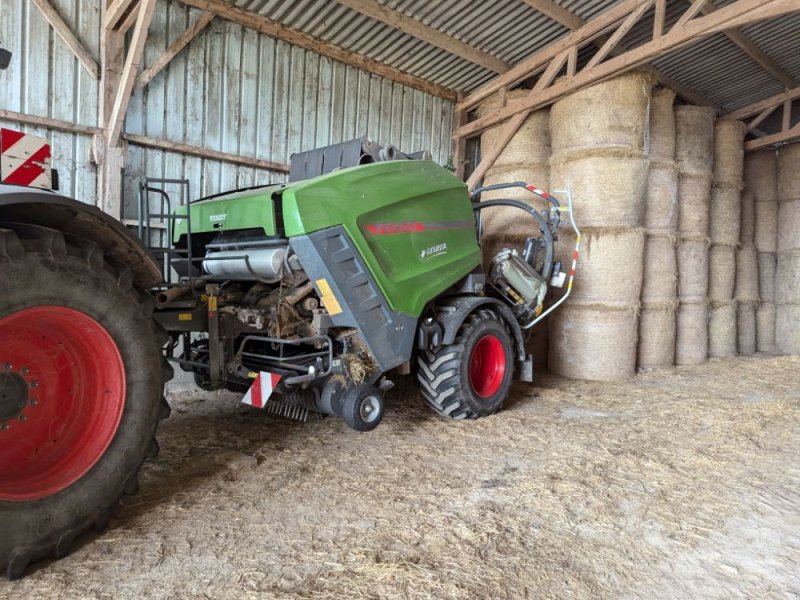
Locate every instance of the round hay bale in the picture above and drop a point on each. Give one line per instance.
(661, 197)
(789, 172)
(610, 263)
(662, 126)
(607, 191)
(787, 328)
(746, 327)
(722, 330)
(592, 342)
(694, 200)
(656, 337)
(512, 221)
(746, 274)
(692, 269)
(787, 278)
(729, 152)
(767, 266)
(725, 214)
(721, 273)
(748, 219)
(660, 280)
(525, 158)
(691, 339)
(531, 142)
(610, 114)
(694, 139)
(766, 230)
(788, 225)
(761, 175)
(765, 327)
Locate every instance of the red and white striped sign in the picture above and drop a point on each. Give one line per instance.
(24, 159)
(262, 388)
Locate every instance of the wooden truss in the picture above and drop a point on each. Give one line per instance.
(763, 109)
(607, 61)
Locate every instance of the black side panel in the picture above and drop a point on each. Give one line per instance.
(329, 255)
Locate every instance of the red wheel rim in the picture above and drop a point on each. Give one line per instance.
(62, 393)
(487, 366)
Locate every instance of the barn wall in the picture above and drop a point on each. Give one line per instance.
(232, 89)
(46, 79)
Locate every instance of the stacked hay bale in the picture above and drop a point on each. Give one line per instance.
(598, 135)
(694, 152)
(660, 279)
(761, 177)
(724, 234)
(787, 293)
(746, 292)
(525, 158)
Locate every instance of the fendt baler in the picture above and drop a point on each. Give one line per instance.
(304, 297)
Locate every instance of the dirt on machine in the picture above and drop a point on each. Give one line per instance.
(305, 298)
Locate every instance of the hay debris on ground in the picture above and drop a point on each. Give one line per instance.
(681, 484)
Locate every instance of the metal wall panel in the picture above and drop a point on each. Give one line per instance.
(45, 79)
(235, 90)
(232, 89)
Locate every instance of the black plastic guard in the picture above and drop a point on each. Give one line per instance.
(452, 312)
(328, 256)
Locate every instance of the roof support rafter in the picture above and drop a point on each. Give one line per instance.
(426, 33)
(767, 103)
(737, 13)
(65, 33)
(755, 53)
(174, 49)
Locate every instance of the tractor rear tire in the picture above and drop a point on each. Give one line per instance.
(81, 391)
(469, 378)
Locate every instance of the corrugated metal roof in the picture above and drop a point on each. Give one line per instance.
(512, 30)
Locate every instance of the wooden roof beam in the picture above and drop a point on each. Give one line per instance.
(231, 12)
(761, 105)
(755, 53)
(179, 44)
(782, 137)
(573, 22)
(739, 12)
(426, 33)
(65, 33)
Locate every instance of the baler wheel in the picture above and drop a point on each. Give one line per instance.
(81, 384)
(469, 378)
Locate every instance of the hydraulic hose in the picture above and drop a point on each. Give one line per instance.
(548, 237)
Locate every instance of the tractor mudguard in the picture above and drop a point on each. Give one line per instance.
(43, 208)
(451, 313)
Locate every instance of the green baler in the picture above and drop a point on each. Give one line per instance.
(323, 285)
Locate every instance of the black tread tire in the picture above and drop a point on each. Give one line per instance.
(39, 266)
(443, 373)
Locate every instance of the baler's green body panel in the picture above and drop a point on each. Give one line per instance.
(246, 209)
(411, 222)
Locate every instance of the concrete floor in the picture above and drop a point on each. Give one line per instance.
(684, 484)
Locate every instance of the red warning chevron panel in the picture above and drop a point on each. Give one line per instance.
(24, 159)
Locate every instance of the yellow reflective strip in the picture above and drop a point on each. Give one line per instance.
(328, 299)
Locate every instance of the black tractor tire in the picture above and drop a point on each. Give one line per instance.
(469, 378)
(362, 407)
(42, 272)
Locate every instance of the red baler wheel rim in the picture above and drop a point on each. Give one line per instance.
(75, 380)
(487, 366)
